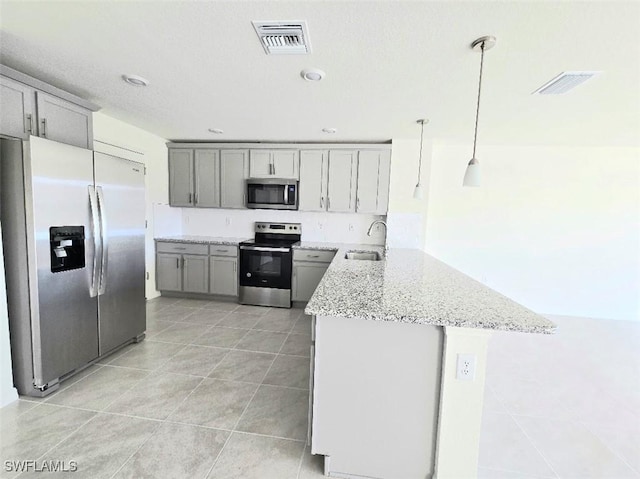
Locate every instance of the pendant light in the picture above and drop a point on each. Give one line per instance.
(418, 193)
(472, 174)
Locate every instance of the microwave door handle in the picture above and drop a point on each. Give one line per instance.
(286, 194)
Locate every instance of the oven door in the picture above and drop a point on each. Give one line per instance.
(272, 194)
(265, 267)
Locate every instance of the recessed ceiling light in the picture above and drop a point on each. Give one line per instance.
(564, 82)
(217, 131)
(135, 80)
(312, 74)
(329, 130)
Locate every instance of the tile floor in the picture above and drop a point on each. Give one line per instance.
(219, 390)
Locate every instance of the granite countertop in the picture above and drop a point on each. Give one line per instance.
(327, 246)
(202, 240)
(411, 286)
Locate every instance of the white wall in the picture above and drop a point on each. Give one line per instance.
(8, 393)
(407, 215)
(139, 145)
(333, 227)
(556, 229)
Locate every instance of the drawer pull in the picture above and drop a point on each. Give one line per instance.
(313, 256)
(223, 250)
(179, 248)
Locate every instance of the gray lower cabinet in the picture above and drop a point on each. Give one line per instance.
(309, 266)
(182, 267)
(195, 273)
(169, 272)
(29, 111)
(223, 268)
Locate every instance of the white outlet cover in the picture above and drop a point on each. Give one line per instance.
(466, 367)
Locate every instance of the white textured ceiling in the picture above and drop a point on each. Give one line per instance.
(387, 64)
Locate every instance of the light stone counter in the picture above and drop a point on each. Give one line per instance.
(410, 286)
(202, 240)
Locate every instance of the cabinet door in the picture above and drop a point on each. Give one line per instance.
(305, 279)
(234, 169)
(195, 273)
(168, 272)
(367, 185)
(313, 180)
(373, 182)
(341, 185)
(181, 177)
(207, 179)
(285, 164)
(17, 117)
(63, 121)
(260, 164)
(224, 275)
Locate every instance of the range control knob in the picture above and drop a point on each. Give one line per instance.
(248, 275)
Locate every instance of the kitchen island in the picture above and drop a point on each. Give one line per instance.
(387, 336)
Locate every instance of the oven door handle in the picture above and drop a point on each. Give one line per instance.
(265, 248)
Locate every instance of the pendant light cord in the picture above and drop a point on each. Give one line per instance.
(475, 134)
(420, 162)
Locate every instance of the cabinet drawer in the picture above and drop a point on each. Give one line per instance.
(185, 248)
(313, 255)
(223, 250)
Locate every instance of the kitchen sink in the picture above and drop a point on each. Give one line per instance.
(363, 255)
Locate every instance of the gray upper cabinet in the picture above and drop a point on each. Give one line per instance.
(314, 167)
(372, 191)
(274, 164)
(181, 177)
(342, 181)
(28, 111)
(16, 104)
(60, 120)
(207, 178)
(234, 170)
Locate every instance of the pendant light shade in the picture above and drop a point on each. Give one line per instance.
(472, 174)
(418, 192)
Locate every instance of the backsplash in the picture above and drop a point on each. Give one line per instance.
(333, 227)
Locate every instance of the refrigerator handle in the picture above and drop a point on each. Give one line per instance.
(97, 242)
(102, 285)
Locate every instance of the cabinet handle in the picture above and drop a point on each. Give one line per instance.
(313, 256)
(44, 128)
(328, 202)
(195, 198)
(273, 166)
(322, 202)
(178, 263)
(235, 267)
(358, 203)
(190, 197)
(28, 127)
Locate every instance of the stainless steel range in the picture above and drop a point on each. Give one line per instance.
(265, 264)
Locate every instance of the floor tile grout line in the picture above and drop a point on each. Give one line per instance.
(65, 387)
(547, 461)
(606, 444)
(151, 434)
(95, 414)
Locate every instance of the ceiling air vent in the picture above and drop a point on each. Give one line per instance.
(283, 38)
(564, 82)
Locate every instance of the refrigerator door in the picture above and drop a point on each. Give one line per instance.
(64, 316)
(121, 294)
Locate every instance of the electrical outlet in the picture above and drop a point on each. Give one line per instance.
(350, 227)
(227, 221)
(320, 225)
(466, 367)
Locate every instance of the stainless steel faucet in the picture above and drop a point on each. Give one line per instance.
(386, 247)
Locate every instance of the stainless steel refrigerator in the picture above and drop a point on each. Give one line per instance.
(73, 226)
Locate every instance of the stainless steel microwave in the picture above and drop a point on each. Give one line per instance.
(272, 193)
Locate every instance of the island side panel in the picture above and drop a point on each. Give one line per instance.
(376, 394)
(460, 417)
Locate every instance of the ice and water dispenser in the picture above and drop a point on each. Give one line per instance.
(67, 248)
